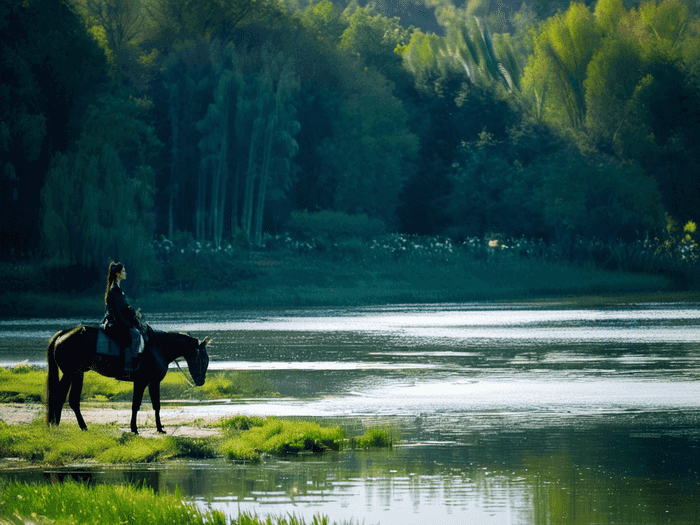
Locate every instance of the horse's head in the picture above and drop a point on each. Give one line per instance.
(198, 362)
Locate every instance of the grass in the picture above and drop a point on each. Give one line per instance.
(73, 503)
(242, 438)
(68, 444)
(377, 437)
(23, 383)
(387, 269)
(259, 436)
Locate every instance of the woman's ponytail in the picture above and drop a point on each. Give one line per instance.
(114, 270)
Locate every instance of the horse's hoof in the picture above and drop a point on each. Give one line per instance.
(161, 431)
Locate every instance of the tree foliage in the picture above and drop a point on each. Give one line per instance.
(221, 118)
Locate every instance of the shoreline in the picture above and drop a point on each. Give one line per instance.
(54, 306)
(118, 414)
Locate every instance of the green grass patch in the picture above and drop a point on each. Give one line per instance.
(103, 443)
(74, 503)
(278, 437)
(247, 438)
(383, 436)
(243, 438)
(22, 383)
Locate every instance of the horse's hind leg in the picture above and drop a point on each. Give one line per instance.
(154, 392)
(60, 399)
(76, 391)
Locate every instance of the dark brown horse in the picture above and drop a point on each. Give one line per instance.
(74, 353)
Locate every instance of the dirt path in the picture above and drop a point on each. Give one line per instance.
(174, 419)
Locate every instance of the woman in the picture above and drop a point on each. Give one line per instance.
(119, 318)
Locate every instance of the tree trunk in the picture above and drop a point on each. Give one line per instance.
(250, 180)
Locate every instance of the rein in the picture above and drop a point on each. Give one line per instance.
(177, 362)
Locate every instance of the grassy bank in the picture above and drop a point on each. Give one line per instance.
(77, 504)
(350, 272)
(241, 438)
(22, 383)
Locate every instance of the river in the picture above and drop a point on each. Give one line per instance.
(508, 414)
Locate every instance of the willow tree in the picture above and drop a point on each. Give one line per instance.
(219, 135)
(188, 81)
(272, 145)
(94, 210)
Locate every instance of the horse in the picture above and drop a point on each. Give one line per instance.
(74, 352)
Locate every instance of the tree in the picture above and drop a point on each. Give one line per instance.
(272, 142)
(219, 134)
(187, 83)
(181, 21)
(39, 112)
(373, 39)
(613, 77)
(368, 158)
(556, 71)
(93, 211)
(97, 201)
(120, 27)
(324, 20)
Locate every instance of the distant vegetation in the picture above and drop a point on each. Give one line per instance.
(199, 142)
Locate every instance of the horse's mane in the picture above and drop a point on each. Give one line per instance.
(176, 337)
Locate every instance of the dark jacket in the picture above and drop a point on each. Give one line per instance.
(119, 317)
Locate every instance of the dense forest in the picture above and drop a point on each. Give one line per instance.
(123, 121)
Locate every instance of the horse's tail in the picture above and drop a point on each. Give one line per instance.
(52, 382)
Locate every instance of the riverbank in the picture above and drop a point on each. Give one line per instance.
(283, 281)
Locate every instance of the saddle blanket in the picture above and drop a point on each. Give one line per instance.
(130, 355)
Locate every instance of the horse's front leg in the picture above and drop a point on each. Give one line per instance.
(154, 392)
(76, 390)
(139, 387)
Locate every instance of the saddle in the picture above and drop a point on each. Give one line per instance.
(129, 356)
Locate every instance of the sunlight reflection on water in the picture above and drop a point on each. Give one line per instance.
(508, 415)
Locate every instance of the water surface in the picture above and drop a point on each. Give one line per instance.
(508, 415)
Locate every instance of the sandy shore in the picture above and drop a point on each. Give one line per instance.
(175, 421)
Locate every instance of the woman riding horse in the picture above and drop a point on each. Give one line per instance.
(74, 352)
(120, 322)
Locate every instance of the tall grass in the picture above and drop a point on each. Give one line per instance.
(72, 503)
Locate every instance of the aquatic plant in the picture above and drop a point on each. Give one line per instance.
(383, 436)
